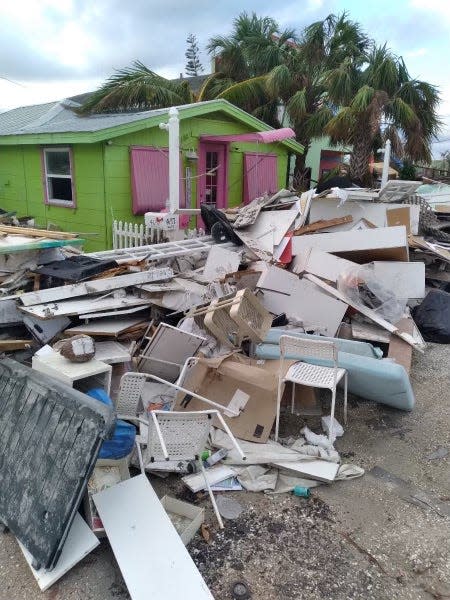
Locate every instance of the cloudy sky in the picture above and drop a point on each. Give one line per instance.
(51, 49)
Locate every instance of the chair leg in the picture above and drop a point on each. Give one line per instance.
(292, 398)
(277, 422)
(333, 404)
(211, 495)
(140, 459)
(345, 398)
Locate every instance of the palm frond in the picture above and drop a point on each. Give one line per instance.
(279, 82)
(297, 105)
(213, 86)
(341, 127)
(248, 94)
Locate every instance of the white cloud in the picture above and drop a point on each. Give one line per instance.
(416, 53)
(441, 7)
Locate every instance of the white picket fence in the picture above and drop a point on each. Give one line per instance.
(132, 235)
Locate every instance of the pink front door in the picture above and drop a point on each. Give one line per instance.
(212, 175)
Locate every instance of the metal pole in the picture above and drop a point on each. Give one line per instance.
(387, 157)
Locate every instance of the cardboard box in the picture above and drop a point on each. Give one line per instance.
(235, 379)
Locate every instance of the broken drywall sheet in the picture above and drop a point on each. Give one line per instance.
(220, 261)
(284, 292)
(382, 243)
(323, 264)
(96, 286)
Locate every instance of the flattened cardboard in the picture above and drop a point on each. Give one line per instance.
(399, 216)
(220, 379)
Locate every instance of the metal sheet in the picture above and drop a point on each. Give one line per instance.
(50, 435)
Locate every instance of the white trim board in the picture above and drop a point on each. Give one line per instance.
(96, 286)
(375, 212)
(152, 558)
(319, 470)
(83, 306)
(382, 243)
(367, 312)
(79, 542)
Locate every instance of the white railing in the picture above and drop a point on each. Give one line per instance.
(132, 235)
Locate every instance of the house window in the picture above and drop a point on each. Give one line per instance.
(58, 177)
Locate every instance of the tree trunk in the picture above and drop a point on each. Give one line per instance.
(301, 175)
(359, 161)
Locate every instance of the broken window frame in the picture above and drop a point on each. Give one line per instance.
(48, 177)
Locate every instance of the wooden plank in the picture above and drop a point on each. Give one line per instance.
(9, 345)
(323, 224)
(151, 555)
(399, 216)
(367, 312)
(80, 541)
(39, 233)
(96, 286)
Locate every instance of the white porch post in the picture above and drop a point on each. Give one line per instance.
(387, 157)
(173, 126)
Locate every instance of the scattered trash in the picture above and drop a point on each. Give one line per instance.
(163, 334)
(228, 507)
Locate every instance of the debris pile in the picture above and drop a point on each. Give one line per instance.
(198, 347)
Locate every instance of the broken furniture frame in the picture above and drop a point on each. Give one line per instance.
(232, 320)
(311, 375)
(181, 435)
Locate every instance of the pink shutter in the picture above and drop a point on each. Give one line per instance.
(260, 175)
(149, 179)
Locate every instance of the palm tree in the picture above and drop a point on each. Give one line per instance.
(243, 59)
(262, 69)
(378, 100)
(137, 88)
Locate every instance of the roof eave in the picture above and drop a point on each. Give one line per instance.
(194, 110)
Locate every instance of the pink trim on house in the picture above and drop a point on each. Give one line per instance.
(260, 175)
(150, 179)
(218, 178)
(266, 137)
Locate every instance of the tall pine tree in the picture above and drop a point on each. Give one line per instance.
(193, 64)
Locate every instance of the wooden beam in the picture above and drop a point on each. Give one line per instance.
(323, 224)
(41, 233)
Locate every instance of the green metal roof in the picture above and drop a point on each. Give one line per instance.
(57, 123)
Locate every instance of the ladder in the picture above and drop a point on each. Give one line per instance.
(160, 251)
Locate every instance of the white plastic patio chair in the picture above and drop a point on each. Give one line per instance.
(310, 375)
(181, 436)
(130, 393)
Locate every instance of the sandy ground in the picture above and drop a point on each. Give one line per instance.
(383, 536)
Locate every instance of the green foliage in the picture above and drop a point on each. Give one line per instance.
(407, 171)
(193, 64)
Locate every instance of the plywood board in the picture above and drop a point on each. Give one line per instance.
(151, 555)
(105, 327)
(383, 243)
(375, 212)
(400, 351)
(319, 470)
(96, 286)
(80, 541)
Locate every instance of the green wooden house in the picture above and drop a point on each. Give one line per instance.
(81, 173)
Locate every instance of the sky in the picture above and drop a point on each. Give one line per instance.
(52, 49)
